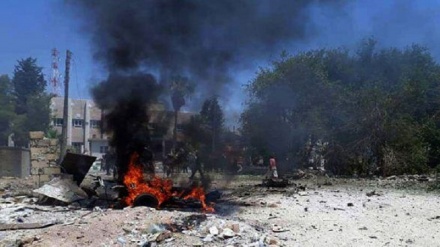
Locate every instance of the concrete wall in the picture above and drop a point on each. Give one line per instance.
(14, 162)
(44, 155)
(95, 147)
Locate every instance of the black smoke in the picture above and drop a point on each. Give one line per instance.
(199, 39)
(202, 40)
(125, 101)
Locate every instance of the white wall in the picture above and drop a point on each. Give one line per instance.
(95, 147)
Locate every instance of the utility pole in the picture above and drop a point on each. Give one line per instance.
(66, 106)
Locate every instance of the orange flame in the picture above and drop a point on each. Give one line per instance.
(158, 187)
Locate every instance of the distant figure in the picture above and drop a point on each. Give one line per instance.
(147, 160)
(168, 165)
(101, 162)
(197, 165)
(272, 172)
(260, 161)
(109, 162)
(240, 164)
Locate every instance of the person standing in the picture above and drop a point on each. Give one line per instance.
(197, 166)
(272, 172)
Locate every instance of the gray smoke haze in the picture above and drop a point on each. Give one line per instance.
(394, 23)
(203, 40)
(213, 42)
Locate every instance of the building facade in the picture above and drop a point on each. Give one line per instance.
(84, 131)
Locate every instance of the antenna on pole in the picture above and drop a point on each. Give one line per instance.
(55, 79)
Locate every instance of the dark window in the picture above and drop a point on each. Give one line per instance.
(76, 147)
(103, 149)
(96, 124)
(179, 128)
(58, 122)
(77, 123)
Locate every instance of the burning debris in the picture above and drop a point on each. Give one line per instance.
(156, 191)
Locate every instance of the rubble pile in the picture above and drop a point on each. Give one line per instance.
(195, 230)
(350, 212)
(11, 187)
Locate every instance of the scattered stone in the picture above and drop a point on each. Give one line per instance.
(276, 228)
(350, 204)
(213, 230)
(122, 240)
(302, 193)
(155, 228)
(341, 209)
(163, 235)
(434, 218)
(363, 228)
(271, 241)
(236, 228)
(208, 238)
(374, 193)
(169, 240)
(227, 233)
(394, 177)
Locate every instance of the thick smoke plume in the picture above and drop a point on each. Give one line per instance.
(125, 101)
(199, 39)
(202, 40)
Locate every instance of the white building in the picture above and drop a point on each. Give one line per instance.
(84, 128)
(84, 133)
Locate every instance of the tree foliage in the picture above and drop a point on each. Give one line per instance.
(204, 130)
(28, 81)
(374, 107)
(181, 88)
(212, 117)
(7, 114)
(32, 103)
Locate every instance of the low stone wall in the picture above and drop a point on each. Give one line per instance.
(14, 162)
(44, 156)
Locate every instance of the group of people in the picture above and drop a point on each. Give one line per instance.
(179, 160)
(182, 160)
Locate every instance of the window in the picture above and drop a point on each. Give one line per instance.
(95, 124)
(76, 144)
(180, 128)
(76, 147)
(58, 122)
(77, 122)
(103, 149)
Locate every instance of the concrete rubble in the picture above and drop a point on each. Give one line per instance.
(62, 189)
(349, 212)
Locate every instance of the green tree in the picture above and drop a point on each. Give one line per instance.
(28, 81)
(212, 116)
(7, 114)
(375, 108)
(32, 103)
(197, 133)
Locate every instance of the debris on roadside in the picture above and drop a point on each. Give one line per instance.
(374, 193)
(63, 189)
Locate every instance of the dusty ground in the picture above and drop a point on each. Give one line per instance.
(334, 215)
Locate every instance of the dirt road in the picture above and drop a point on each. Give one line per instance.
(338, 215)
